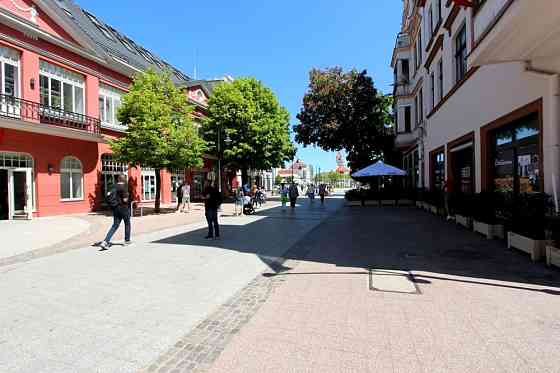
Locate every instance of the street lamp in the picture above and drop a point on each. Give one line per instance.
(227, 140)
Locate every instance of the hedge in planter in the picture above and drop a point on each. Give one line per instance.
(528, 224)
(461, 204)
(484, 214)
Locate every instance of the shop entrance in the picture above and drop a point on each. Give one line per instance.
(462, 166)
(4, 204)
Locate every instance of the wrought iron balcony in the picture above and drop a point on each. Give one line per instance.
(17, 108)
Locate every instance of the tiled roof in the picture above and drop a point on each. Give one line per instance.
(114, 43)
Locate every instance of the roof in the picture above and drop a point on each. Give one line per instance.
(206, 85)
(115, 43)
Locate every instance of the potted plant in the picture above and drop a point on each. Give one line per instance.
(485, 220)
(527, 233)
(461, 204)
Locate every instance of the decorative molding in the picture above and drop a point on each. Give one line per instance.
(32, 10)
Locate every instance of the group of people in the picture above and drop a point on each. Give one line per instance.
(291, 193)
(248, 198)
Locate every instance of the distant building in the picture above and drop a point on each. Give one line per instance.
(302, 172)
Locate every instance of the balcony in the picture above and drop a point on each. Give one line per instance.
(405, 139)
(528, 31)
(403, 41)
(402, 88)
(34, 117)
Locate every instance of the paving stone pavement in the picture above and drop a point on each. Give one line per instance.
(479, 307)
(118, 311)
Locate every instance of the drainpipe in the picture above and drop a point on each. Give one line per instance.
(551, 143)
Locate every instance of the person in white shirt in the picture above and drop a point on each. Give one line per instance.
(186, 193)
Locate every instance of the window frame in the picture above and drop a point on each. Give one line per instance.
(72, 171)
(80, 84)
(461, 53)
(108, 93)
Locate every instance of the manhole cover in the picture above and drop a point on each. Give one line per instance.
(392, 281)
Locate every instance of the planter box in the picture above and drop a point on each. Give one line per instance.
(536, 248)
(353, 203)
(552, 256)
(465, 221)
(489, 230)
(420, 204)
(388, 202)
(404, 202)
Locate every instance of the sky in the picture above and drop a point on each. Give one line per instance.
(277, 42)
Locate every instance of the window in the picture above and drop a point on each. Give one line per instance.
(148, 184)
(60, 88)
(421, 104)
(416, 112)
(516, 158)
(433, 88)
(9, 72)
(110, 170)
(440, 11)
(407, 119)
(405, 69)
(461, 54)
(419, 49)
(438, 170)
(440, 80)
(71, 179)
(109, 103)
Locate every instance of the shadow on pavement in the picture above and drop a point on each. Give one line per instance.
(404, 239)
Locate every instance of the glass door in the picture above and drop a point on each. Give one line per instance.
(4, 196)
(22, 193)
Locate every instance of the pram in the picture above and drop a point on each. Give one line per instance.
(248, 206)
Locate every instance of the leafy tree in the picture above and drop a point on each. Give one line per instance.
(247, 113)
(160, 134)
(278, 180)
(343, 110)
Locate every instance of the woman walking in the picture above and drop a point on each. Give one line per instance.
(294, 194)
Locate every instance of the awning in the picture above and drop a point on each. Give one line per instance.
(379, 169)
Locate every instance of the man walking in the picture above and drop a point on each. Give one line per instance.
(212, 200)
(118, 199)
(294, 194)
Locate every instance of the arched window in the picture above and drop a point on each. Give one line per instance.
(110, 170)
(71, 179)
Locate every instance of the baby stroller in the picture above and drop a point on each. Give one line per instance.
(248, 206)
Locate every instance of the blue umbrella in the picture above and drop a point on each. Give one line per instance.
(379, 169)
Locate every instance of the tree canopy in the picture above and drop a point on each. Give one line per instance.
(257, 126)
(161, 134)
(343, 110)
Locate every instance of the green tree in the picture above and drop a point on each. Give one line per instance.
(343, 110)
(248, 115)
(278, 180)
(160, 134)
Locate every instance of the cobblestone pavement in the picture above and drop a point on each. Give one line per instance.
(53, 235)
(84, 310)
(384, 290)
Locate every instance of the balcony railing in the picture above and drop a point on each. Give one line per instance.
(17, 108)
(403, 41)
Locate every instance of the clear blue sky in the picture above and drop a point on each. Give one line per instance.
(278, 42)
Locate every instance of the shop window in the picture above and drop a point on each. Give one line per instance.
(71, 179)
(461, 54)
(516, 157)
(148, 184)
(438, 170)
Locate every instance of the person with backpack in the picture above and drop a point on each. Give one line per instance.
(212, 201)
(119, 200)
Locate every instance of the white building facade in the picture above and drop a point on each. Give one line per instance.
(477, 94)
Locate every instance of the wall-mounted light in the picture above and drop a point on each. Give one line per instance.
(32, 83)
(50, 169)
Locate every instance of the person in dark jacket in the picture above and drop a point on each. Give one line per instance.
(212, 201)
(119, 199)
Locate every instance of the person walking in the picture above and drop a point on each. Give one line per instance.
(186, 196)
(284, 196)
(294, 194)
(311, 192)
(119, 201)
(322, 193)
(179, 192)
(212, 201)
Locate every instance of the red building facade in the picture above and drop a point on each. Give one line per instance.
(62, 75)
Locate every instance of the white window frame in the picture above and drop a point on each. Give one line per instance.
(29, 164)
(9, 56)
(106, 93)
(111, 168)
(149, 172)
(72, 171)
(63, 75)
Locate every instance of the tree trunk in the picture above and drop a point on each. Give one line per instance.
(244, 176)
(158, 190)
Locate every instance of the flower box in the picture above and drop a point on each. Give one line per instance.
(489, 230)
(536, 248)
(465, 221)
(552, 256)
